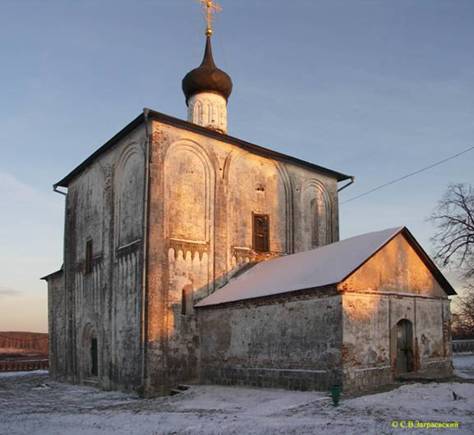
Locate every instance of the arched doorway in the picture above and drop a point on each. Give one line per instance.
(94, 369)
(404, 362)
(90, 353)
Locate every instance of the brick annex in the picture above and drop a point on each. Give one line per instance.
(194, 256)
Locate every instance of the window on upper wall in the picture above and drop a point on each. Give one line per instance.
(88, 262)
(183, 301)
(261, 232)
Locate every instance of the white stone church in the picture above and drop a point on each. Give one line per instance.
(191, 256)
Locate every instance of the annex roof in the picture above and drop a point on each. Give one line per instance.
(321, 267)
(53, 274)
(166, 119)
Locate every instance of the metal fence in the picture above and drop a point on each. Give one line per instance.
(463, 346)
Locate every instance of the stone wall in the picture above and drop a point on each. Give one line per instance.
(393, 285)
(291, 342)
(366, 355)
(370, 321)
(57, 325)
(203, 193)
(105, 205)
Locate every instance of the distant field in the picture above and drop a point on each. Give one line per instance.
(23, 351)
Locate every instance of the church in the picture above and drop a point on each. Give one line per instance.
(191, 256)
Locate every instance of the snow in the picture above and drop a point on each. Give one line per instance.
(34, 404)
(319, 267)
(20, 374)
(464, 366)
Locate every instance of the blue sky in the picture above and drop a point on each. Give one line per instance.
(375, 89)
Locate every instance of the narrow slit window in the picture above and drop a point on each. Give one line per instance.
(88, 264)
(261, 233)
(183, 301)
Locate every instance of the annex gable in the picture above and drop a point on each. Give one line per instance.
(396, 268)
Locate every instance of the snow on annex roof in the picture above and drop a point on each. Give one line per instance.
(320, 267)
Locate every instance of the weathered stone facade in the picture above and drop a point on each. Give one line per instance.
(104, 205)
(290, 342)
(163, 216)
(346, 334)
(167, 209)
(202, 197)
(394, 286)
(56, 323)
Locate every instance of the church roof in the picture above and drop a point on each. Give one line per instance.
(321, 267)
(179, 123)
(207, 77)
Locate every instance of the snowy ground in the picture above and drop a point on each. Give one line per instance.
(464, 366)
(32, 404)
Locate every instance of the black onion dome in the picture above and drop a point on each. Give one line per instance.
(207, 77)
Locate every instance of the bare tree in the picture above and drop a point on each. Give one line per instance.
(462, 324)
(454, 245)
(454, 221)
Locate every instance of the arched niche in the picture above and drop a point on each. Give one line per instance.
(316, 215)
(197, 111)
(189, 192)
(90, 210)
(257, 185)
(129, 185)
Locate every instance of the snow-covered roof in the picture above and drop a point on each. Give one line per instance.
(324, 266)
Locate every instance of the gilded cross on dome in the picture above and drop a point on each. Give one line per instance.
(210, 8)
